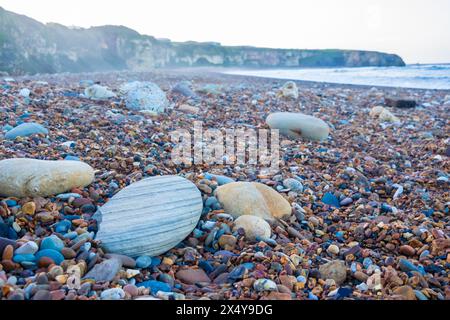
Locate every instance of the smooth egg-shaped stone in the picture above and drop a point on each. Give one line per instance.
(31, 178)
(254, 227)
(49, 253)
(149, 217)
(25, 130)
(297, 125)
(252, 198)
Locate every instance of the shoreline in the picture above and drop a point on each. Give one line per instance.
(214, 72)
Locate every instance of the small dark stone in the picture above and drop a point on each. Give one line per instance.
(42, 295)
(88, 208)
(5, 242)
(104, 271)
(42, 279)
(400, 102)
(85, 289)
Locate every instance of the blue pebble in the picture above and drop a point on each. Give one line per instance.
(86, 247)
(155, 286)
(221, 180)
(7, 127)
(424, 254)
(211, 201)
(312, 296)
(156, 261)
(331, 200)
(237, 273)
(11, 203)
(25, 130)
(367, 262)
(67, 196)
(425, 196)
(428, 213)
(206, 266)
(346, 202)
(420, 295)
(53, 243)
(209, 225)
(143, 262)
(344, 293)
(225, 228)
(219, 233)
(249, 266)
(72, 158)
(24, 116)
(72, 217)
(29, 265)
(19, 258)
(71, 235)
(205, 211)
(63, 226)
(340, 235)
(269, 241)
(386, 208)
(70, 94)
(12, 234)
(52, 254)
(408, 266)
(421, 270)
(29, 289)
(225, 253)
(113, 185)
(83, 236)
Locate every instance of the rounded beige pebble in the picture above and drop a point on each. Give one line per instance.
(376, 111)
(32, 178)
(298, 125)
(333, 249)
(252, 198)
(253, 226)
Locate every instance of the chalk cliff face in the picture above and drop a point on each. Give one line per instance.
(28, 46)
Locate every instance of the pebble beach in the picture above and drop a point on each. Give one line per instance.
(362, 214)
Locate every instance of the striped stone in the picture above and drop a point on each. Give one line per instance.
(149, 217)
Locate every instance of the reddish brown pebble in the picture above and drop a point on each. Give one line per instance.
(279, 296)
(45, 262)
(58, 294)
(68, 253)
(360, 276)
(8, 265)
(8, 253)
(407, 250)
(405, 292)
(192, 276)
(81, 202)
(132, 290)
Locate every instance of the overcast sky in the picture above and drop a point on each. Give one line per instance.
(417, 30)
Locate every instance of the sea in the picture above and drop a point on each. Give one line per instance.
(430, 76)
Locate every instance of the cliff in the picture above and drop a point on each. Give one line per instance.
(28, 46)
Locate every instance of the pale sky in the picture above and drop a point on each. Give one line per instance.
(417, 30)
